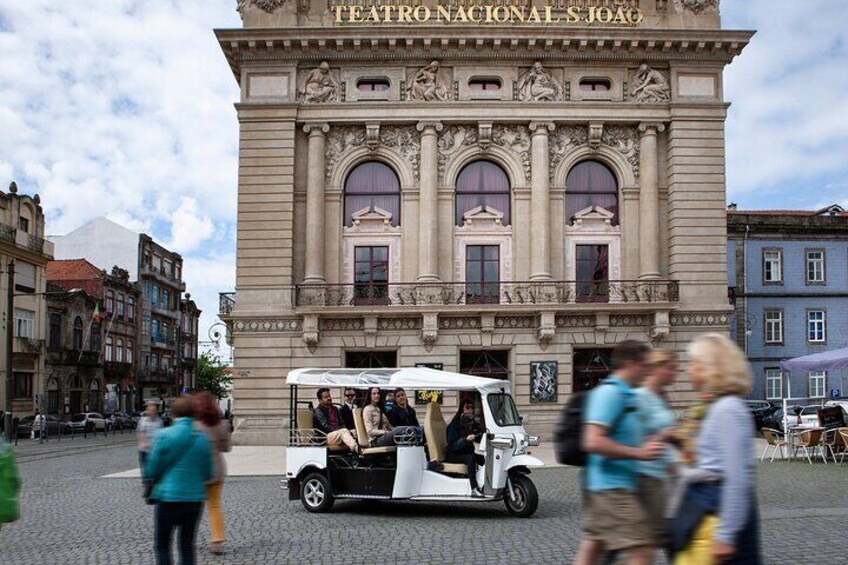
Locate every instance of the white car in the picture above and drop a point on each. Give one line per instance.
(810, 416)
(89, 422)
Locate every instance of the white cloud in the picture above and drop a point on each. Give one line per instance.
(189, 228)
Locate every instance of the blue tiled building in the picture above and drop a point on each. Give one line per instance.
(788, 279)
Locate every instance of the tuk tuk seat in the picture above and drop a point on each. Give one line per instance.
(362, 436)
(306, 430)
(435, 431)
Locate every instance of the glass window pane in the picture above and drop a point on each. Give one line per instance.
(362, 254)
(491, 252)
(379, 253)
(474, 252)
(490, 271)
(473, 271)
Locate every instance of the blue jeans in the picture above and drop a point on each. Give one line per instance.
(170, 516)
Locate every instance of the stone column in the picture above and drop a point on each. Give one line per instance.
(315, 180)
(428, 206)
(540, 202)
(649, 214)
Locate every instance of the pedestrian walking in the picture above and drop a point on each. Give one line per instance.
(10, 484)
(146, 431)
(218, 433)
(718, 521)
(612, 436)
(179, 466)
(657, 419)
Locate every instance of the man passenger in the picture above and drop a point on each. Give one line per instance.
(328, 419)
(402, 414)
(348, 407)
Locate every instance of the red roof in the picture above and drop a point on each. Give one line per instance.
(75, 273)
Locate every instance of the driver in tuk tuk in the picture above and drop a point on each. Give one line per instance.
(462, 433)
(328, 419)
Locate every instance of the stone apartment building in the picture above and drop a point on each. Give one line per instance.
(788, 277)
(158, 274)
(188, 341)
(506, 191)
(109, 330)
(22, 244)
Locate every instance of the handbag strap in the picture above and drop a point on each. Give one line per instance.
(180, 454)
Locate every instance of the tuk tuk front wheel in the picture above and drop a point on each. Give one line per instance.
(524, 499)
(315, 493)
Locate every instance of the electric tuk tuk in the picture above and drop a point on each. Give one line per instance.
(317, 475)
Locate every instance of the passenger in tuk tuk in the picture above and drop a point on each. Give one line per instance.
(462, 432)
(380, 431)
(328, 419)
(402, 414)
(348, 407)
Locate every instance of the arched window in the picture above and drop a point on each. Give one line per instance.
(591, 183)
(76, 395)
(372, 185)
(484, 184)
(119, 350)
(78, 333)
(94, 396)
(109, 351)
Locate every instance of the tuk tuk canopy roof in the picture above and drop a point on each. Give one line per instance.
(412, 378)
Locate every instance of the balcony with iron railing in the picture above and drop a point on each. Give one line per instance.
(163, 275)
(156, 375)
(226, 303)
(566, 295)
(117, 370)
(73, 357)
(24, 240)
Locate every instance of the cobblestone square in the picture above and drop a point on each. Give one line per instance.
(72, 515)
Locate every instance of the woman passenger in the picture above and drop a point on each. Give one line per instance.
(380, 431)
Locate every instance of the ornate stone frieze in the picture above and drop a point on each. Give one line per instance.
(320, 86)
(460, 323)
(427, 85)
(650, 86)
(399, 324)
(697, 6)
(341, 324)
(516, 139)
(342, 139)
(624, 139)
(452, 140)
(273, 325)
(514, 322)
(700, 319)
(269, 6)
(575, 321)
(536, 84)
(628, 320)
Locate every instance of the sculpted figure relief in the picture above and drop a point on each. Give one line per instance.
(320, 85)
(426, 85)
(697, 6)
(536, 84)
(267, 5)
(650, 86)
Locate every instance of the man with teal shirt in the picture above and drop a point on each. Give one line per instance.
(613, 439)
(180, 465)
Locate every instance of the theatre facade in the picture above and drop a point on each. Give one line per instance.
(500, 189)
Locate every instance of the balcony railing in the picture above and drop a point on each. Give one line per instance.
(501, 293)
(7, 233)
(156, 375)
(226, 303)
(73, 357)
(116, 369)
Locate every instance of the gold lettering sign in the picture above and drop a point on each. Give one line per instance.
(482, 12)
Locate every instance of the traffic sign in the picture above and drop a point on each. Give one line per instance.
(834, 393)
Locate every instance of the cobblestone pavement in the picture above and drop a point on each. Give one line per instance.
(70, 515)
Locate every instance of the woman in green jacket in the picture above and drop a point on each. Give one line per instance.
(10, 485)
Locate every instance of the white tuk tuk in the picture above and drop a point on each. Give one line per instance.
(317, 474)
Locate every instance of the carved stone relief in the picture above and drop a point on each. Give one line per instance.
(267, 5)
(463, 323)
(515, 138)
(536, 84)
(451, 140)
(427, 85)
(342, 139)
(276, 325)
(650, 86)
(320, 86)
(697, 6)
(699, 319)
(624, 139)
(575, 321)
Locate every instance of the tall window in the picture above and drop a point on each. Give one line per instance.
(23, 224)
(774, 326)
(55, 330)
(592, 270)
(24, 277)
(372, 185)
(815, 266)
(95, 339)
(121, 306)
(774, 384)
(94, 396)
(816, 326)
(482, 273)
(165, 334)
(772, 265)
(119, 350)
(154, 329)
(109, 350)
(77, 337)
(818, 383)
(110, 302)
(371, 275)
(130, 346)
(22, 386)
(483, 184)
(591, 183)
(24, 323)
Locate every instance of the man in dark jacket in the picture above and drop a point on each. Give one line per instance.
(347, 408)
(328, 419)
(463, 431)
(402, 414)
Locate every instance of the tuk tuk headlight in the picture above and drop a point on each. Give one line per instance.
(502, 443)
(533, 441)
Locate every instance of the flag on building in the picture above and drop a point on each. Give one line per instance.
(96, 316)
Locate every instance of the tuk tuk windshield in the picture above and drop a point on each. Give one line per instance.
(504, 411)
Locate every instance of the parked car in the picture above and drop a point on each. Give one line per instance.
(52, 425)
(760, 409)
(89, 422)
(810, 415)
(775, 419)
(121, 421)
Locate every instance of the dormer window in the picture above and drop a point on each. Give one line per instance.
(481, 84)
(595, 85)
(372, 84)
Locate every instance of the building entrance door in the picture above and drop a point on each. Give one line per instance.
(590, 366)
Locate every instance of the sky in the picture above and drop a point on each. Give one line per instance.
(124, 108)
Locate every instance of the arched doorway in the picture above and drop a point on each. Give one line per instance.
(94, 396)
(76, 394)
(53, 397)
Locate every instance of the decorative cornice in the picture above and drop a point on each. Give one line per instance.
(265, 325)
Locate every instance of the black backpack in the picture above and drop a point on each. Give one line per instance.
(568, 434)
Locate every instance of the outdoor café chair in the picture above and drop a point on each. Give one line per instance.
(844, 433)
(831, 440)
(774, 441)
(810, 441)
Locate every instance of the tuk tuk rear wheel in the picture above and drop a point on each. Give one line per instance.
(526, 497)
(315, 494)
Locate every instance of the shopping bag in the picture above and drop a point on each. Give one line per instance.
(699, 551)
(10, 486)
